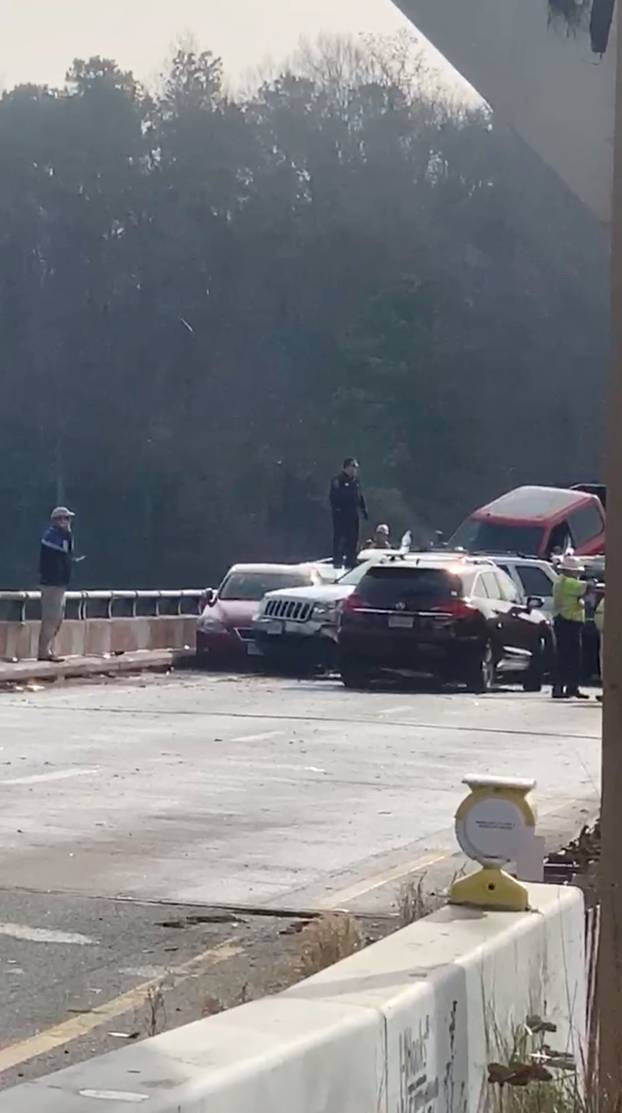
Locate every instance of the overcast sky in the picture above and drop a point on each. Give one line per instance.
(39, 38)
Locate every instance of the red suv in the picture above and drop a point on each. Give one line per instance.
(535, 521)
(460, 619)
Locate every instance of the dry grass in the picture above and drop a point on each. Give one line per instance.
(327, 940)
(560, 1095)
(211, 1006)
(538, 1079)
(156, 1010)
(412, 902)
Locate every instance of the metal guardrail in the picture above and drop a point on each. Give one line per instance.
(25, 606)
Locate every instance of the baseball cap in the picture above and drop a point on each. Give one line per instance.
(62, 512)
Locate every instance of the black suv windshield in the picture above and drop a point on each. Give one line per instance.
(385, 586)
(479, 536)
(252, 586)
(355, 575)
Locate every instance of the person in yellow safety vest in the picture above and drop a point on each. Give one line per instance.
(568, 620)
(599, 622)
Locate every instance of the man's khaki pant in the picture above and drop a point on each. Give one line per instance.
(52, 615)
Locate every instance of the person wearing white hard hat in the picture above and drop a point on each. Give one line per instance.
(55, 565)
(568, 620)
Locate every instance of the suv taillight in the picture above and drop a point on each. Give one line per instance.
(457, 608)
(354, 602)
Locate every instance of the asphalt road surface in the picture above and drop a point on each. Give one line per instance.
(132, 810)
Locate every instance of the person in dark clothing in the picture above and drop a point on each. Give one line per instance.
(347, 504)
(55, 564)
(381, 538)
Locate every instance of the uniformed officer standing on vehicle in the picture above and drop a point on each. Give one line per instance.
(568, 621)
(347, 505)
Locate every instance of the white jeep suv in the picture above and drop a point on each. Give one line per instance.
(296, 628)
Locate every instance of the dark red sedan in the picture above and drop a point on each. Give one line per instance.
(225, 629)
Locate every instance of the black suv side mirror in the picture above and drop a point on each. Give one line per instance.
(534, 602)
(209, 597)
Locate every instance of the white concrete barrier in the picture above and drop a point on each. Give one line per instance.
(409, 1024)
(93, 637)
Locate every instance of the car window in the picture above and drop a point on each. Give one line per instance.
(386, 585)
(492, 585)
(486, 536)
(559, 539)
(585, 524)
(505, 587)
(252, 586)
(479, 590)
(535, 581)
(356, 574)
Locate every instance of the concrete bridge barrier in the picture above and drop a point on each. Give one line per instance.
(407, 1025)
(102, 622)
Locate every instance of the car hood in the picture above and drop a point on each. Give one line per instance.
(317, 593)
(233, 612)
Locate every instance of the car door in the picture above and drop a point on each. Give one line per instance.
(485, 592)
(535, 581)
(517, 630)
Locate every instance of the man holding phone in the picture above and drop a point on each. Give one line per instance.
(56, 561)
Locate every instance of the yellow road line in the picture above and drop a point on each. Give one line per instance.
(342, 897)
(376, 881)
(78, 1026)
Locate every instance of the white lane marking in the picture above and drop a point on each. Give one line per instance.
(114, 1095)
(258, 737)
(146, 972)
(397, 710)
(44, 935)
(57, 775)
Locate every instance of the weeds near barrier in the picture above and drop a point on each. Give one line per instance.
(412, 903)
(559, 1095)
(533, 1077)
(211, 1006)
(156, 1010)
(327, 940)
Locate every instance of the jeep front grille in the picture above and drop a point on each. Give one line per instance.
(293, 610)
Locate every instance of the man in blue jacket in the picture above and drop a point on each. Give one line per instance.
(55, 564)
(347, 505)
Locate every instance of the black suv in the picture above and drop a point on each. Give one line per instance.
(459, 619)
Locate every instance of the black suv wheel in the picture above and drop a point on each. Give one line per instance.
(535, 673)
(480, 671)
(353, 675)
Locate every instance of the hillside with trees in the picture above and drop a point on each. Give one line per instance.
(207, 300)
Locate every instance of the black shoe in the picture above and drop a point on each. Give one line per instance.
(577, 695)
(558, 693)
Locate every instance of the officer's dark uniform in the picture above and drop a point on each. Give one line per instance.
(347, 503)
